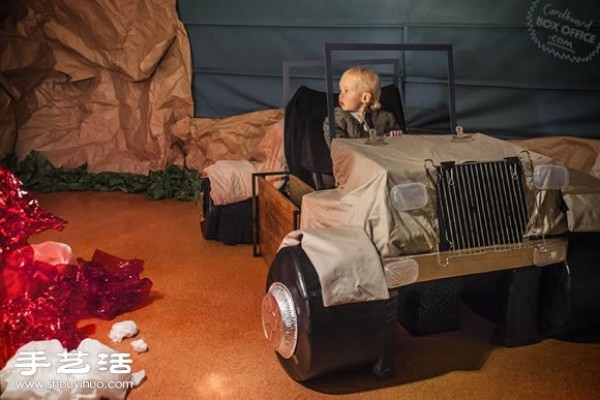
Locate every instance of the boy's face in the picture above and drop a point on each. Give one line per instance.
(352, 99)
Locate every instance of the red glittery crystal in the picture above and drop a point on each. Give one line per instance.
(20, 214)
(40, 301)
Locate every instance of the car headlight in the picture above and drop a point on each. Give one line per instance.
(550, 177)
(409, 196)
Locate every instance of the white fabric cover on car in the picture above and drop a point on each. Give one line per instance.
(348, 266)
(365, 175)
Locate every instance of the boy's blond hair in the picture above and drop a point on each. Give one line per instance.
(369, 82)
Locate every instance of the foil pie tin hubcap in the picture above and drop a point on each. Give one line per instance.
(279, 319)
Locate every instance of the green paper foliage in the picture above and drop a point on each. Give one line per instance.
(38, 174)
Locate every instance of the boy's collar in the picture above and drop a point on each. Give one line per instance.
(359, 115)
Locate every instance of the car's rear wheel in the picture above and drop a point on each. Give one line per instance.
(209, 223)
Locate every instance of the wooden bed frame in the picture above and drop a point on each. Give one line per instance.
(275, 212)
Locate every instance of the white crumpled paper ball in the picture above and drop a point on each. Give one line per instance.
(123, 329)
(139, 345)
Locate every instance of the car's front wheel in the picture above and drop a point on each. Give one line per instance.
(311, 340)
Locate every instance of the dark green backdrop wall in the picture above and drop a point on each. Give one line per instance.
(523, 68)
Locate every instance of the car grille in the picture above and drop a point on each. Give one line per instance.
(481, 204)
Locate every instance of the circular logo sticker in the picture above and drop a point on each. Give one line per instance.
(562, 32)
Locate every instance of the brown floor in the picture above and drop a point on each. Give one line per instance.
(204, 332)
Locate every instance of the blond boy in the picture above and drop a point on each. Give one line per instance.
(360, 109)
